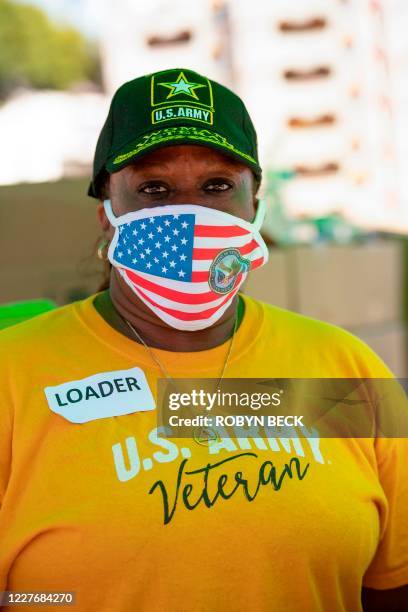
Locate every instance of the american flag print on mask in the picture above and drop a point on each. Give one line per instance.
(165, 254)
(159, 246)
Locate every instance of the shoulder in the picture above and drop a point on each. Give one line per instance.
(311, 338)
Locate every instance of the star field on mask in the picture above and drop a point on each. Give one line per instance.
(161, 245)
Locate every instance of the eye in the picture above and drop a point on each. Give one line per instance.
(152, 188)
(218, 185)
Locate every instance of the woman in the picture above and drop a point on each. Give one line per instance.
(95, 498)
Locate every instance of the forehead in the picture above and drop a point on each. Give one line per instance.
(172, 156)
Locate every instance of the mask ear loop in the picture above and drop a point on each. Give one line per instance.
(109, 212)
(260, 215)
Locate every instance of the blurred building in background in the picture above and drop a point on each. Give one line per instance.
(325, 81)
(144, 37)
(49, 135)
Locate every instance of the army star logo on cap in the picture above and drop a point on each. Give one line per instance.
(182, 86)
(192, 95)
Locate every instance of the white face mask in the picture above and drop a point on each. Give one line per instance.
(184, 261)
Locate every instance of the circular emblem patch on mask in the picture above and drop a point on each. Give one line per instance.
(225, 268)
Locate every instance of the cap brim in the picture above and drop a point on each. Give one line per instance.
(146, 143)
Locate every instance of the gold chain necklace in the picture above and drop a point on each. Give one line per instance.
(202, 435)
(162, 367)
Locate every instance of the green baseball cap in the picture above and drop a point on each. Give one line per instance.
(170, 107)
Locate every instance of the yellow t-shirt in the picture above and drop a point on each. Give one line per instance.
(83, 505)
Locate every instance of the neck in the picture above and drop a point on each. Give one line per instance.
(119, 303)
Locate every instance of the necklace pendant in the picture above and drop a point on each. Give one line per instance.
(205, 436)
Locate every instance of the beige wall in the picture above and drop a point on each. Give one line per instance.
(358, 287)
(47, 235)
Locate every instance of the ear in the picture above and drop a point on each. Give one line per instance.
(103, 219)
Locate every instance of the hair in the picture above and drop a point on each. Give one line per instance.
(101, 186)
